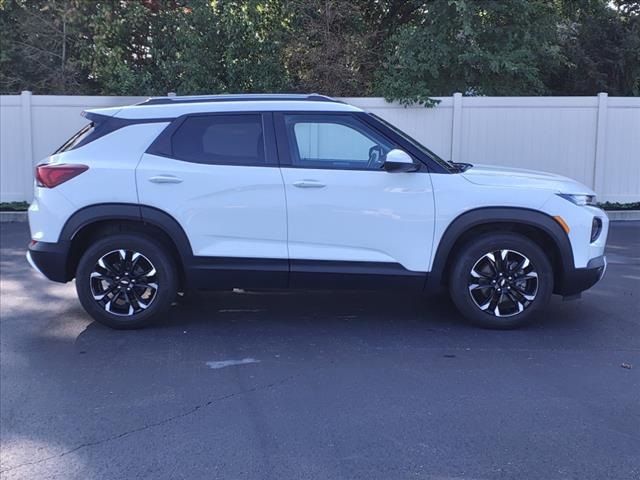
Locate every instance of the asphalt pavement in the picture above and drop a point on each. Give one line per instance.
(322, 385)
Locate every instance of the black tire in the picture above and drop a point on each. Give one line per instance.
(153, 266)
(530, 287)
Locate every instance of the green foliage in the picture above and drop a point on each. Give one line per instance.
(14, 206)
(602, 49)
(42, 44)
(328, 47)
(204, 47)
(407, 50)
(620, 206)
(474, 47)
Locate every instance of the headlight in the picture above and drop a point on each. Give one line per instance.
(579, 199)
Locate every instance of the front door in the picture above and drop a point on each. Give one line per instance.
(346, 215)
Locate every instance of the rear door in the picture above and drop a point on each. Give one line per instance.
(348, 218)
(217, 175)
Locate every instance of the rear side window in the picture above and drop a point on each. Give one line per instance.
(220, 139)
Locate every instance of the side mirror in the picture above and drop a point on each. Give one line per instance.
(399, 161)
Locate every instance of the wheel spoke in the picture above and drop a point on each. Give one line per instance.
(101, 295)
(101, 276)
(479, 282)
(480, 275)
(153, 286)
(128, 301)
(491, 260)
(497, 256)
(522, 295)
(528, 275)
(494, 304)
(521, 265)
(139, 301)
(134, 261)
(107, 307)
(108, 266)
(515, 301)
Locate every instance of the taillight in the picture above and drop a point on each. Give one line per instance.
(53, 174)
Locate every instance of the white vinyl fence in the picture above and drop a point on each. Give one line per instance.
(595, 140)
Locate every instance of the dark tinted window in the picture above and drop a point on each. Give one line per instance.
(226, 139)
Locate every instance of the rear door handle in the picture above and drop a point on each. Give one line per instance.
(308, 184)
(165, 179)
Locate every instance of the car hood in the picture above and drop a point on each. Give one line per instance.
(518, 177)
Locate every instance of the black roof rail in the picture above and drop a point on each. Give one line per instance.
(249, 97)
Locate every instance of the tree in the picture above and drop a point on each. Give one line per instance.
(475, 47)
(153, 47)
(41, 46)
(602, 47)
(328, 47)
(409, 50)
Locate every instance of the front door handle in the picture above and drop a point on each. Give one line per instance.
(165, 179)
(308, 184)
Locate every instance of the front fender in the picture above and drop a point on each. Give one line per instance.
(499, 215)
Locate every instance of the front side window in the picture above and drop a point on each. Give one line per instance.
(220, 139)
(334, 141)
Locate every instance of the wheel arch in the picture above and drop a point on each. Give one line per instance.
(94, 220)
(536, 225)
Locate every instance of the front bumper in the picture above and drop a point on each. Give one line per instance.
(50, 259)
(581, 279)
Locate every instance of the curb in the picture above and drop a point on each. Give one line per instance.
(623, 215)
(13, 217)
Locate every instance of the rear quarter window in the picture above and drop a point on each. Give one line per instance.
(79, 138)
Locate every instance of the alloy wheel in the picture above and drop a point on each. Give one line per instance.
(503, 283)
(124, 282)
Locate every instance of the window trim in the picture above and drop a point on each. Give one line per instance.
(162, 145)
(284, 150)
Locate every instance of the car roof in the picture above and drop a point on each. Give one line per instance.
(175, 106)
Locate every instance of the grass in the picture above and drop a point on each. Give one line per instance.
(619, 206)
(14, 206)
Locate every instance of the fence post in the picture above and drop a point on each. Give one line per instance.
(27, 144)
(601, 143)
(456, 127)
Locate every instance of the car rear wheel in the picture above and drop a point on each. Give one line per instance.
(500, 280)
(126, 281)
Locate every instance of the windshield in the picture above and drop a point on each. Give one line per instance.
(448, 165)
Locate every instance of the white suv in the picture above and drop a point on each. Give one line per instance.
(298, 191)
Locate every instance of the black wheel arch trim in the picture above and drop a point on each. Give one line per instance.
(507, 215)
(124, 211)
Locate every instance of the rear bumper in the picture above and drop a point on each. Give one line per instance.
(581, 279)
(50, 259)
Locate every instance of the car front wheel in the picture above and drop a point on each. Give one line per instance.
(500, 280)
